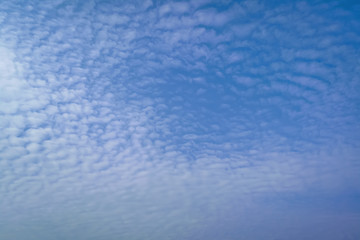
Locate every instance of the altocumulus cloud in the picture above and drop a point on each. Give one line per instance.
(179, 120)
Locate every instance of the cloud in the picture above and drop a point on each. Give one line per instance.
(178, 120)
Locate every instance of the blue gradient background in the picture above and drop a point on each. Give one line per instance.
(179, 120)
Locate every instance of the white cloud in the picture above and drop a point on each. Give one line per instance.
(105, 130)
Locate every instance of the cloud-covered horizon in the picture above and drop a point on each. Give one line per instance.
(179, 120)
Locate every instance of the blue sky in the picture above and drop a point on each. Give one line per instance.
(179, 120)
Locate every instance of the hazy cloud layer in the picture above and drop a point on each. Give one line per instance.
(179, 120)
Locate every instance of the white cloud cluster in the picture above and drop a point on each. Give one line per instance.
(176, 120)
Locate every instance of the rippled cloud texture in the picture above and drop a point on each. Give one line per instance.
(179, 120)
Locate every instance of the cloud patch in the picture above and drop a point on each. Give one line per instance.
(179, 120)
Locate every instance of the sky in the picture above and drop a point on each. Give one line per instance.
(198, 120)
